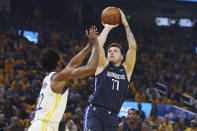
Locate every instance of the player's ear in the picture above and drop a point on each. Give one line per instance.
(59, 63)
(122, 57)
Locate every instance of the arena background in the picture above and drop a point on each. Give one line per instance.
(165, 75)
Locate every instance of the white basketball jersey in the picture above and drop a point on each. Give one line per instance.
(51, 106)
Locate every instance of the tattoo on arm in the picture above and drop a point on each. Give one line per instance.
(130, 37)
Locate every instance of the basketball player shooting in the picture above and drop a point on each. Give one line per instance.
(111, 81)
(54, 92)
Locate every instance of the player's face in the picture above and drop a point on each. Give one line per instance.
(132, 116)
(114, 55)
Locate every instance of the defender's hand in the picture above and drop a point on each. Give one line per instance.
(92, 35)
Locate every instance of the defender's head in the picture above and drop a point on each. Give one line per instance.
(132, 115)
(50, 60)
(115, 54)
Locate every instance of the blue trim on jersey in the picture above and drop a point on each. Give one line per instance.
(95, 84)
(126, 74)
(52, 75)
(65, 90)
(86, 118)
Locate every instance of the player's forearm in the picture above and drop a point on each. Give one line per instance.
(130, 37)
(93, 60)
(89, 68)
(78, 59)
(103, 36)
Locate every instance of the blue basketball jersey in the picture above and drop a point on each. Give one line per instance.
(111, 88)
(137, 128)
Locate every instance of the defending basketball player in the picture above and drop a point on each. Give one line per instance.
(111, 81)
(133, 123)
(54, 91)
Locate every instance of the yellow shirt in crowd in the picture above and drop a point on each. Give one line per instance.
(165, 127)
(190, 129)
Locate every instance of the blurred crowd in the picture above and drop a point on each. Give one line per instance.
(160, 58)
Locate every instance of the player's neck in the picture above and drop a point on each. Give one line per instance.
(117, 64)
(132, 125)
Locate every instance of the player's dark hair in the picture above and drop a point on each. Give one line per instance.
(132, 109)
(49, 59)
(116, 45)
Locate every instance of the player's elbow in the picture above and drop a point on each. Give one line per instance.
(133, 47)
(72, 64)
(91, 70)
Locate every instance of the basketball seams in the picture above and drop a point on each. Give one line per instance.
(111, 15)
(111, 18)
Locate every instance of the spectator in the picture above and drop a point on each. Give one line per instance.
(182, 125)
(140, 112)
(193, 102)
(3, 123)
(153, 119)
(152, 91)
(166, 126)
(193, 126)
(176, 127)
(123, 119)
(15, 125)
(140, 96)
(70, 126)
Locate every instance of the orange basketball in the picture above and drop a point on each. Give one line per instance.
(111, 15)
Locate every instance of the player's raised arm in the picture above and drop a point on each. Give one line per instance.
(131, 53)
(103, 36)
(78, 59)
(70, 72)
(90, 67)
(102, 39)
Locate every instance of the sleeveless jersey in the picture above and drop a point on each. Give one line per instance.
(51, 106)
(110, 88)
(137, 128)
